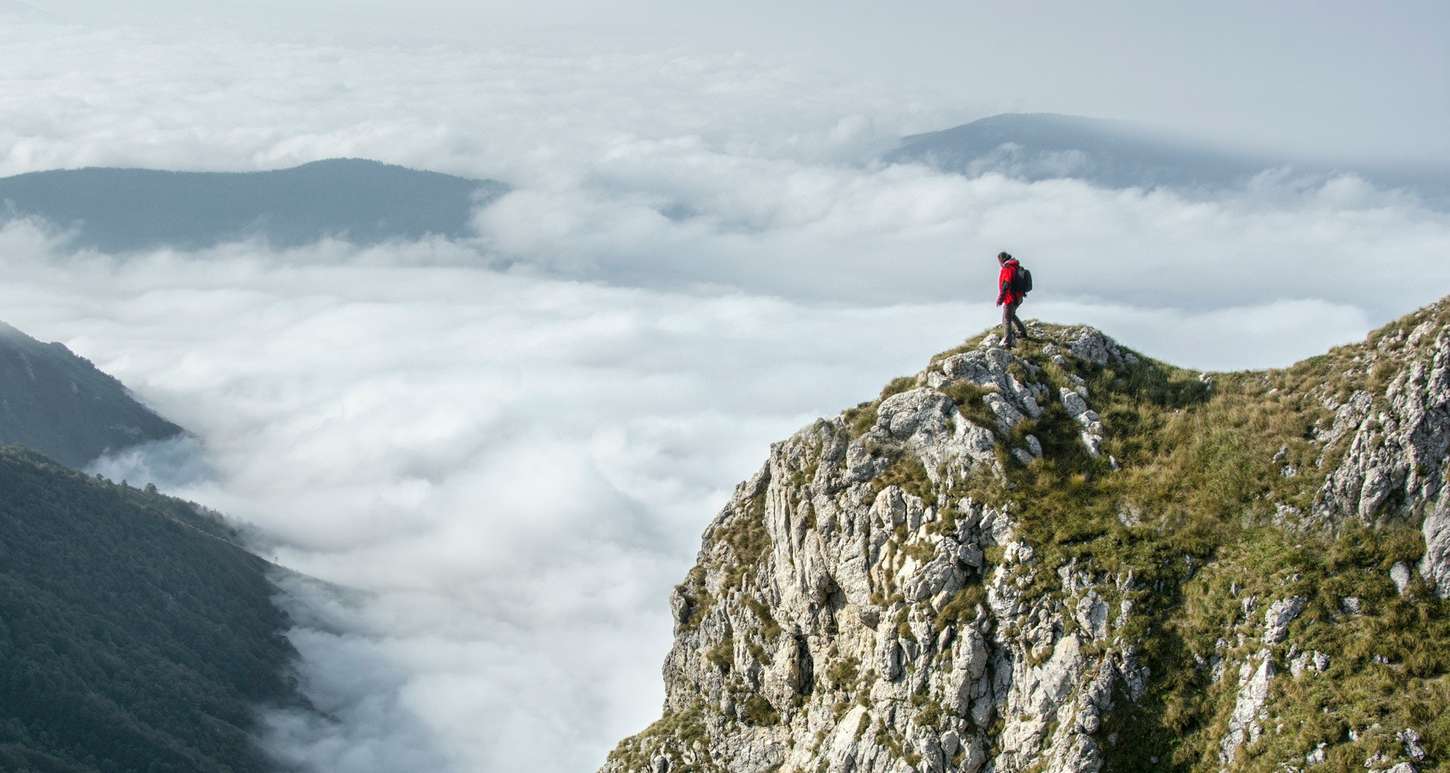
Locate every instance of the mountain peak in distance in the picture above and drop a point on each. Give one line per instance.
(366, 202)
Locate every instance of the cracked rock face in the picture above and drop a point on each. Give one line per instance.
(849, 612)
(1396, 447)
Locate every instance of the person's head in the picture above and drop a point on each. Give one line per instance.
(1003, 257)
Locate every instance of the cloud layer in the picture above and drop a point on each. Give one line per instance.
(667, 168)
(513, 471)
(505, 448)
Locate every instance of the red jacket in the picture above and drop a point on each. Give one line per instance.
(1004, 283)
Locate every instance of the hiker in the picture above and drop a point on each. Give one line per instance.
(1013, 283)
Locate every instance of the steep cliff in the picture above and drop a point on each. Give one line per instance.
(1071, 557)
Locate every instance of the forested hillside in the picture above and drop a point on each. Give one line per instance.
(134, 635)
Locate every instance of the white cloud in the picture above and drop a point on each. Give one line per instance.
(513, 470)
(905, 233)
(78, 96)
(507, 449)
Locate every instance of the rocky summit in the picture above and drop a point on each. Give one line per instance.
(1071, 557)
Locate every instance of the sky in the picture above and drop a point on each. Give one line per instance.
(1338, 78)
(504, 449)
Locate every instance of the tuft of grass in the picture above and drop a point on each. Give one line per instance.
(768, 625)
(748, 539)
(843, 672)
(910, 474)
(759, 713)
(722, 655)
(962, 608)
(968, 398)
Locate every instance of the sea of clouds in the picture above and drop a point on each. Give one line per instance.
(489, 460)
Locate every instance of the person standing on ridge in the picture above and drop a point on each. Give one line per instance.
(1013, 283)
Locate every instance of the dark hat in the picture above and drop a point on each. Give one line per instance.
(1003, 256)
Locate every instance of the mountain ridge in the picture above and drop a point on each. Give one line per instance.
(115, 209)
(1120, 154)
(1075, 558)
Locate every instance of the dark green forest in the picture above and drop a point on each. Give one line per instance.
(134, 635)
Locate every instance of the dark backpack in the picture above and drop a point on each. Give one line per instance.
(1021, 281)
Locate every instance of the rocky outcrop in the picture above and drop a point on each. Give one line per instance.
(1255, 675)
(889, 593)
(1396, 445)
(842, 616)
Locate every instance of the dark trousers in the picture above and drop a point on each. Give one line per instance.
(1009, 319)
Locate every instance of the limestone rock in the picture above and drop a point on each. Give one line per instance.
(1244, 724)
(1400, 576)
(1394, 448)
(1278, 616)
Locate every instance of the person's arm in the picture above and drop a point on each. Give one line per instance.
(1004, 283)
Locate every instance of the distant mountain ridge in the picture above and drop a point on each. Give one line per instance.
(366, 202)
(61, 405)
(1119, 154)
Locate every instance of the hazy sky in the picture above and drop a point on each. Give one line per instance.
(1337, 77)
(509, 444)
